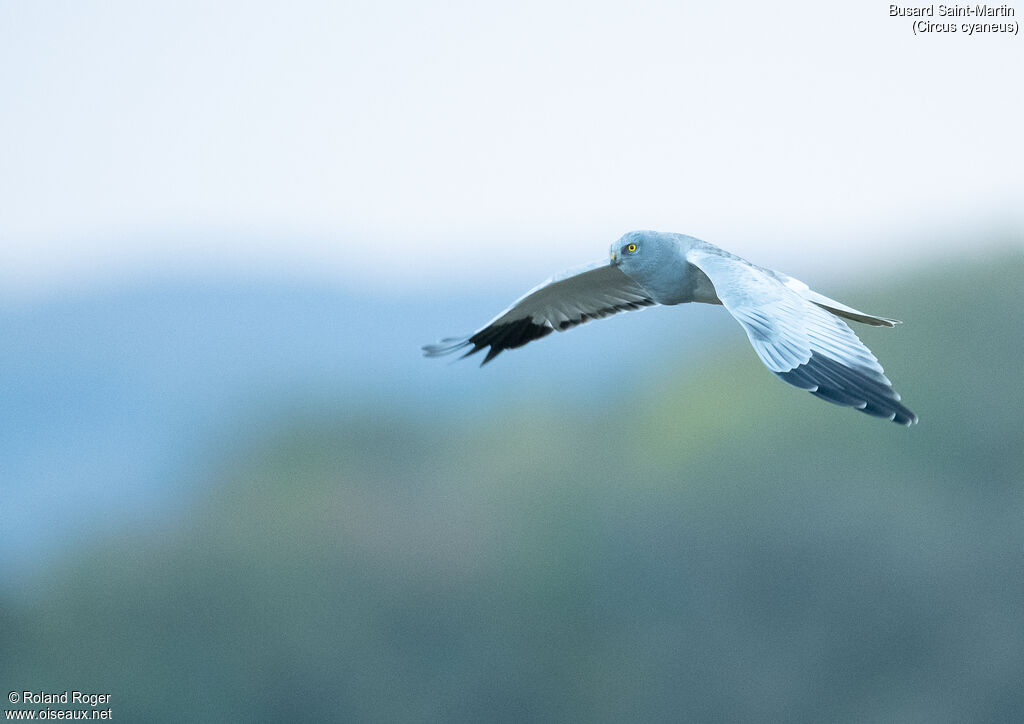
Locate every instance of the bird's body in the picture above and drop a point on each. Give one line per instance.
(795, 331)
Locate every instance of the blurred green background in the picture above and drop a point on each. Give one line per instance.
(689, 539)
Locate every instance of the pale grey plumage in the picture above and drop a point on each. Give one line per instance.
(795, 331)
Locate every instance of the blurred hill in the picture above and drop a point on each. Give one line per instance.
(115, 401)
(660, 542)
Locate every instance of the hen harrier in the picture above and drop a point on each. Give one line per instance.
(797, 333)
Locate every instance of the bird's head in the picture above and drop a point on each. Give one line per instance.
(637, 252)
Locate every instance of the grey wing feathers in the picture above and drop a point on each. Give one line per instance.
(591, 292)
(799, 340)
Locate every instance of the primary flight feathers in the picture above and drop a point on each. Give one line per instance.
(795, 331)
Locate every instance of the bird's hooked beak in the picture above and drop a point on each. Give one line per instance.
(615, 256)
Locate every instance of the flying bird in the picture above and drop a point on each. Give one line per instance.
(797, 333)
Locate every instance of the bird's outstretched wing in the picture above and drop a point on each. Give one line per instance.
(799, 340)
(590, 292)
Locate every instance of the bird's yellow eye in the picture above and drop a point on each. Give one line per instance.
(631, 248)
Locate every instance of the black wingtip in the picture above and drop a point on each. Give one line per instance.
(444, 346)
(865, 391)
(492, 352)
(497, 338)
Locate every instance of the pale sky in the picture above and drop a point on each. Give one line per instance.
(421, 143)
